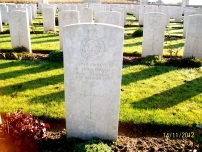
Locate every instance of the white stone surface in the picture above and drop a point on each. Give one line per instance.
(178, 14)
(66, 17)
(92, 75)
(153, 34)
(97, 10)
(185, 22)
(4, 14)
(19, 29)
(143, 2)
(142, 11)
(110, 17)
(49, 19)
(29, 10)
(137, 10)
(122, 11)
(193, 41)
(1, 27)
(86, 15)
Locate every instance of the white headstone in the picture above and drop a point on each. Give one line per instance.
(142, 11)
(178, 14)
(49, 19)
(153, 34)
(136, 11)
(86, 16)
(97, 10)
(92, 76)
(122, 11)
(143, 2)
(66, 18)
(29, 10)
(185, 22)
(19, 29)
(110, 17)
(4, 14)
(1, 27)
(193, 42)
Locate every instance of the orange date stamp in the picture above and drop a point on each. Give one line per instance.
(178, 135)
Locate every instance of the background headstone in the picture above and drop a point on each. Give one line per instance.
(1, 27)
(66, 17)
(49, 19)
(185, 22)
(86, 15)
(92, 75)
(19, 29)
(193, 41)
(153, 34)
(110, 17)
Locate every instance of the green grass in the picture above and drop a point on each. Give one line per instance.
(151, 94)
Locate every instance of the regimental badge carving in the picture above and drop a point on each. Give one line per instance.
(92, 48)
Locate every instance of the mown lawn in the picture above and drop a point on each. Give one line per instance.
(150, 94)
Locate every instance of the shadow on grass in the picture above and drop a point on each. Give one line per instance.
(31, 85)
(172, 96)
(56, 96)
(144, 74)
(42, 36)
(133, 44)
(13, 74)
(175, 46)
(42, 41)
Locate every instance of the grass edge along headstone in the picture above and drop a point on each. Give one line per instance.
(92, 76)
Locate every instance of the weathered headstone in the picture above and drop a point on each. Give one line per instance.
(49, 19)
(97, 10)
(66, 18)
(110, 17)
(178, 14)
(143, 2)
(142, 11)
(153, 34)
(1, 27)
(193, 42)
(185, 22)
(122, 11)
(92, 76)
(29, 10)
(4, 14)
(86, 15)
(19, 29)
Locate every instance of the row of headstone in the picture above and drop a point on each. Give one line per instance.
(153, 35)
(7, 8)
(170, 11)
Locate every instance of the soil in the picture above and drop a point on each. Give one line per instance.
(131, 138)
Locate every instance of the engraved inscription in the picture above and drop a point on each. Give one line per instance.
(18, 19)
(92, 48)
(96, 72)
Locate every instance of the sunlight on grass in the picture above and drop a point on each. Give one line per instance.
(162, 95)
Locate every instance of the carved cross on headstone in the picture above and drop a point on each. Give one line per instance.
(19, 36)
(88, 93)
(153, 41)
